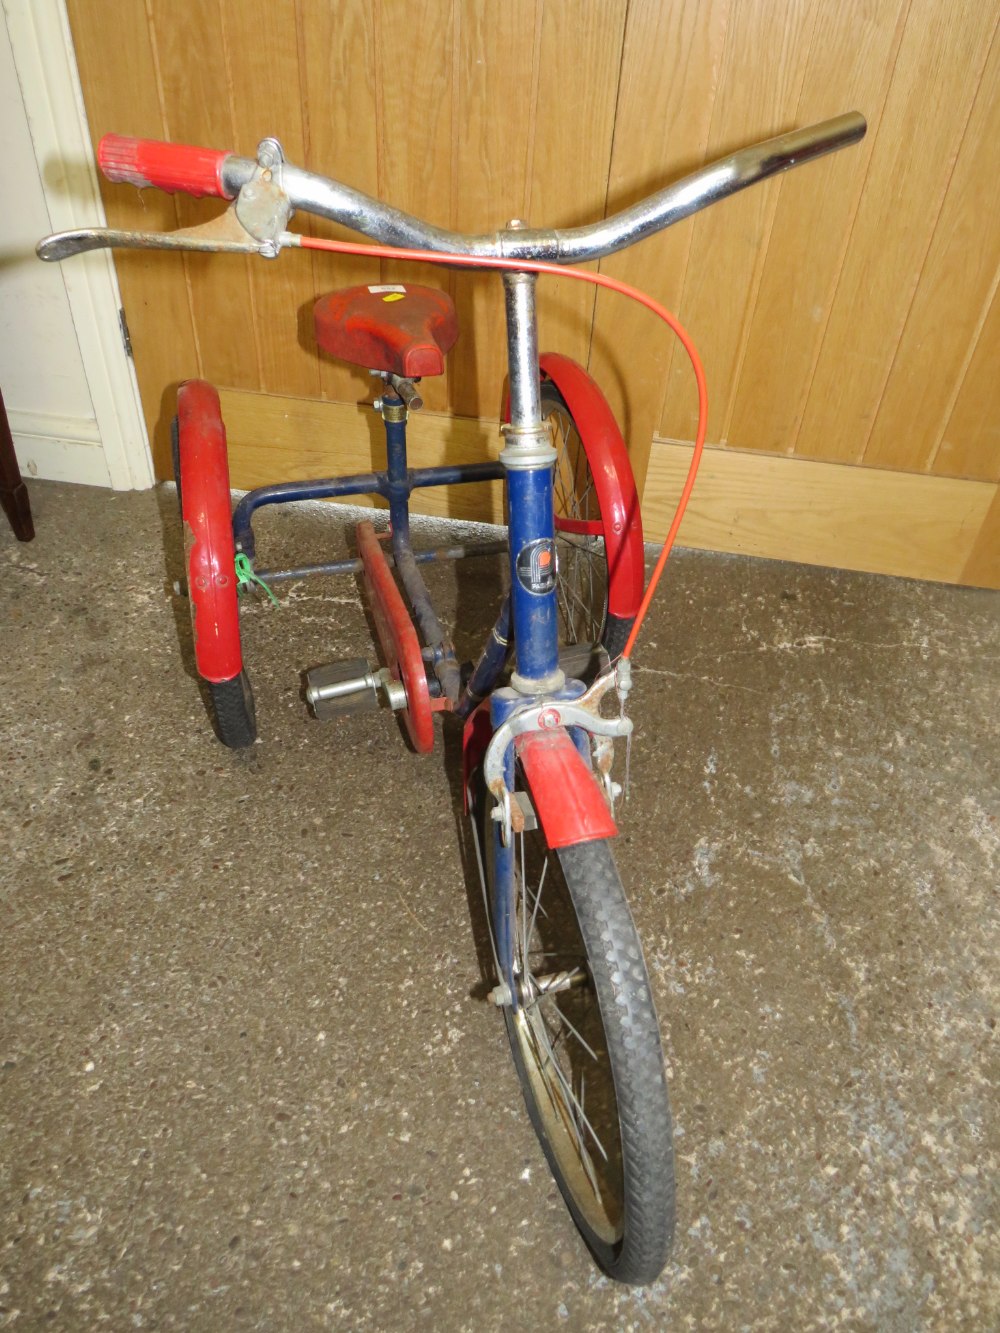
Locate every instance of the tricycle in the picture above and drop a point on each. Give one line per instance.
(538, 736)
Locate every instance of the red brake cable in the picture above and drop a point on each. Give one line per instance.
(598, 280)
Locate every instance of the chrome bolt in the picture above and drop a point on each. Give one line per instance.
(269, 154)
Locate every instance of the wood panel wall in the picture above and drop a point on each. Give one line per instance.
(847, 313)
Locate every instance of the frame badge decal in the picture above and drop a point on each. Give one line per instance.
(535, 566)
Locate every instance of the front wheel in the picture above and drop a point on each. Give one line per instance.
(586, 1044)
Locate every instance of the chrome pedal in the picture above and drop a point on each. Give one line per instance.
(337, 688)
(352, 686)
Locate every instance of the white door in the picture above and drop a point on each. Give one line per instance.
(67, 382)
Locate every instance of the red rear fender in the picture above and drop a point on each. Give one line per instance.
(208, 532)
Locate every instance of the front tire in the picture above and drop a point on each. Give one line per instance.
(586, 1046)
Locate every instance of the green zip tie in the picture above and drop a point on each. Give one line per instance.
(245, 576)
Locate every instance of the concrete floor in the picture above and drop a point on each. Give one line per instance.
(245, 1083)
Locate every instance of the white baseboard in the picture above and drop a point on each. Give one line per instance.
(57, 448)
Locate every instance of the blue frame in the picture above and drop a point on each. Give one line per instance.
(536, 635)
(533, 615)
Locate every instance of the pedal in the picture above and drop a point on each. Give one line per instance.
(337, 688)
(352, 686)
(583, 661)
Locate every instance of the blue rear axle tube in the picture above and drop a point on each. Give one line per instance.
(361, 483)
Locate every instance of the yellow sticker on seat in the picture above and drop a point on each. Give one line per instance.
(394, 296)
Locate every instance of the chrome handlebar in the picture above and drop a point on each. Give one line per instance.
(390, 226)
(267, 190)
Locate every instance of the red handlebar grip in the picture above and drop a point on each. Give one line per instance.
(168, 166)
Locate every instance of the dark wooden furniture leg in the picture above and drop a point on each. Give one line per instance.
(13, 492)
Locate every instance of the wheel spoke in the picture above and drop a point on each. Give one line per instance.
(537, 904)
(580, 456)
(553, 1064)
(574, 1109)
(570, 581)
(575, 1032)
(559, 486)
(524, 915)
(564, 608)
(581, 603)
(590, 573)
(581, 590)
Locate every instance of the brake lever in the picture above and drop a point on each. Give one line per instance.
(225, 233)
(254, 223)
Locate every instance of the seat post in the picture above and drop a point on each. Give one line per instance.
(397, 490)
(394, 414)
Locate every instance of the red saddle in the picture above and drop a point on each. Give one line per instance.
(401, 328)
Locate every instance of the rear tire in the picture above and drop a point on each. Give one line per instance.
(175, 459)
(234, 711)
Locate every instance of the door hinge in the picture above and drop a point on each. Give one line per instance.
(123, 327)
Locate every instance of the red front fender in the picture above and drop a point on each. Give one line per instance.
(206, 508)
(566, 795)
(564, 791)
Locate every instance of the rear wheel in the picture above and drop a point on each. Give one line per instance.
(175, 459)
(234, 711)
(198, 448)
(582, 589)
(586, 1046)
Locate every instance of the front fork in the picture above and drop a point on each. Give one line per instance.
(586, 789)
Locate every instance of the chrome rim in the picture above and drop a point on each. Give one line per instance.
(560, 1035)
